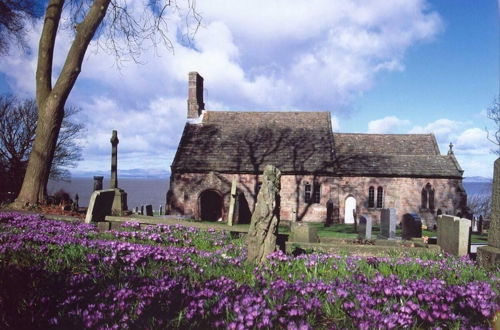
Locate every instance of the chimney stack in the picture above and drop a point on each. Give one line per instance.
(195, 95)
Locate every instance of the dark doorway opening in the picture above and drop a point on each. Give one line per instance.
(210, 205)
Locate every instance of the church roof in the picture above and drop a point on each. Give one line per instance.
(303, 142)
(229, 141)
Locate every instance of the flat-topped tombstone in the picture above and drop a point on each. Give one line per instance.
(365, 227)
(412, 225)
(303, 232)
(149, 210)
(100, 205)
(453, 234)
(388, 223)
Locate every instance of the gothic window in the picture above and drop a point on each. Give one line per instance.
(431, 198)
(380, 197)
(371, 197)
(428, 197)
(424, 199)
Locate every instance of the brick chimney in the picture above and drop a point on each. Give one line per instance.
(195, 95)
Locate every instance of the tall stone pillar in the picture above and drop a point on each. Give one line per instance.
(489, 255)
(114, 160)
(120, 200)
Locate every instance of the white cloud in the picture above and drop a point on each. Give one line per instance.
(443, 128)
(259, 55)
(390, 124)
(473, 141)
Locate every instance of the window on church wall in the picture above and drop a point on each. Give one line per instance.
(371, 197)
(424, 199)
(312, 193)
(307, 192)
(380, 197)
(431, 199)
(316, 193)
(428, 197)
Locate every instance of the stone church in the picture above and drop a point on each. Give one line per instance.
(325, 175)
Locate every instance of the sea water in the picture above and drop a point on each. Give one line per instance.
(140, 191)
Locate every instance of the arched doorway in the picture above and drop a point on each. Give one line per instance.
(350, 206)
(210, 205)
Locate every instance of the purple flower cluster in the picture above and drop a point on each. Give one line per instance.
(55, 274)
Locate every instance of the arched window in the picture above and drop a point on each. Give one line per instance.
(431, 198)
(371, 197)
(380, 197)
(428, 197)
(424, 198)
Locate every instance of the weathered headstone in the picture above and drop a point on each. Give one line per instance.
(100, 205)
(160, 211)
(412, 226)
(98, 182)
(365, 227)
(453, 234)
(142, 210)
(388, 223)
(149, 210)
(303, 232)
(261, 238)
(136, 210)
(490, 255)
(232, 201)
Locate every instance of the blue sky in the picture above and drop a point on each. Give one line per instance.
(393, 66)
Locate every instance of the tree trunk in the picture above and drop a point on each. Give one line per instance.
(33, 190)
(51, 100)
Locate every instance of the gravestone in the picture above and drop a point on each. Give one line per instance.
(303, 232)
(489, 255)
(149, 210)
(480, 225)
(412, 226)
(388, 223)
(136, 210)
(261, 237)
(98, 182)
(100, 205)
(453, 234)
(160, 211)
(142, 210)
(365, 227)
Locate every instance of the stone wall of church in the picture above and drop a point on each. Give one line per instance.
(404, 194)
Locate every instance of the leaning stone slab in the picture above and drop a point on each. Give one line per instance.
(261, 238)
(453, 234)
(304, 232)
(100, 205)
